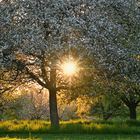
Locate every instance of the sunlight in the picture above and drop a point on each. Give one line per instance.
(69, 68)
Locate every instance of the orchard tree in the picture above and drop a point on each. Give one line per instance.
(115, 39)
(39, 36)
(31, 102)
(42, 41)
(131, 97)
(6, 90)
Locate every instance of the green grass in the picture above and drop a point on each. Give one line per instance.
(70, 130)
(7, 138)
(75, 137)
(68, 127)
(89, 137)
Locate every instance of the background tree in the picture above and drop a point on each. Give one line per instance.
(32, 102)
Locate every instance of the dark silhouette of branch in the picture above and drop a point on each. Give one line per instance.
(34, 77)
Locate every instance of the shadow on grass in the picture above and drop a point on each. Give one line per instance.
(74, 137)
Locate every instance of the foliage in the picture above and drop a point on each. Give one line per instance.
(108, 107)
(33, 102)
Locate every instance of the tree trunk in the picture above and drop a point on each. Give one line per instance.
(53, 97)
(53, 108)
(106, 115)
(132, 110)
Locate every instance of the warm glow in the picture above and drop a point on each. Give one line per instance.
(69, 68)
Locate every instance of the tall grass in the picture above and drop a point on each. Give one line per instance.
(68, 127)
(17, 139)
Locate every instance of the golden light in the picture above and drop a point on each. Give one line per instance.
(69, 68)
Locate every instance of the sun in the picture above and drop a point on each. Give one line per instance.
(69, 68)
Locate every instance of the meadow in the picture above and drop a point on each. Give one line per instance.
(70, 130)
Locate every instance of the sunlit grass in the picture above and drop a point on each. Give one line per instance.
(15, 139)
(23, 126)
(67, 127)
(70, 130)
(7, 138)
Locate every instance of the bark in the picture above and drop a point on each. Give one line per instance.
(106, 115)
(53, 97)
(53, 108)
(132, 109)
(132, 105)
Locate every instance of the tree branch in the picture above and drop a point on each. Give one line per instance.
(43, 70)
(33, 76)
(73, 88)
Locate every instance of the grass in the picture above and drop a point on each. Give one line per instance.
(89, 137)
(70, 130)
(68, 127)
(7, 138)
(75, 137)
